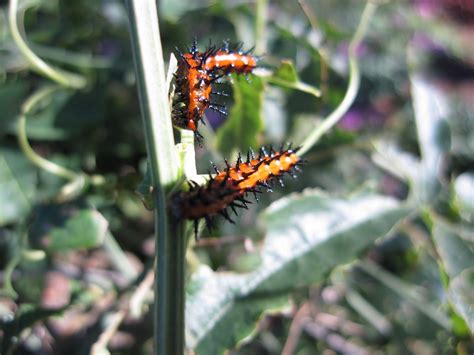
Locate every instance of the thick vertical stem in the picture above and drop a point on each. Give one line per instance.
(170, 242)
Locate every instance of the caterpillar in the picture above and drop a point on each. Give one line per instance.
(229, 187)
(226, 61)
(193, 91)
(194, 76)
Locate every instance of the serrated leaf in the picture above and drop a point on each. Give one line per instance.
(461, 295)
(68, 226)
(308, 235)
(245, 122)
(17, 181)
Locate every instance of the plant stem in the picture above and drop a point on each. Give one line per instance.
(353, 86)
(170, 241)
(260, 23)
(59, 76)
(25, 146)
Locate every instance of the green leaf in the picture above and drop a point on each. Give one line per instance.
(245, 122)
(464, 195)
(287, 77)
(68, 226)
(461, 295)
(434, 138)
(308, 235)
(401, 164)
(11, 97)
(456, 254)
(65, 114)
(17, 181)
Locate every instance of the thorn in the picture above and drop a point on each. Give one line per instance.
(297, 168)
(243, 200)
(281, 182)
(282, 146)
(266, 185)
(225, 45)
(225, 214)
(214, 167)
(255, 195)
(196, 227)
(240, 206)
(232, 206)
(272, 151)
(209, 223)
(220, 93)
(249, 51)
(223, 112)
(194, 50)
(239, 160)
(217, 104)
(252, 153)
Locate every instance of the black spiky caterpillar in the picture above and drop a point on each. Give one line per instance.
(194, 77)
(229, 187)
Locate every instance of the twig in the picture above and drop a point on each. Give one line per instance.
(334, 341)
(114, 321)
(352, 88)
(138, 297)
(301, 317)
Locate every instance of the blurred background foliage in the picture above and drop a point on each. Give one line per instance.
(74, 267)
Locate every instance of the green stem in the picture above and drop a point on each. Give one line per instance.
(260, 22)
(170, 241)
(61, 77)
(118, 257)
(25, 146)
(352, 88)
(407, 292)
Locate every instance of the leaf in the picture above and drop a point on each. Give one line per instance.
(308, 235)
(464, 195)
(287, 77)
(456, 254)
(17, 181)
(68, 226)
(245, 122)
(431, 110)
(461, 295)
(401, 164)
(11, 97)
(65, 114)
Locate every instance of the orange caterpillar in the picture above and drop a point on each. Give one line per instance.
(194, 76)
(193, 91)
(227, 62)
(228, 188)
